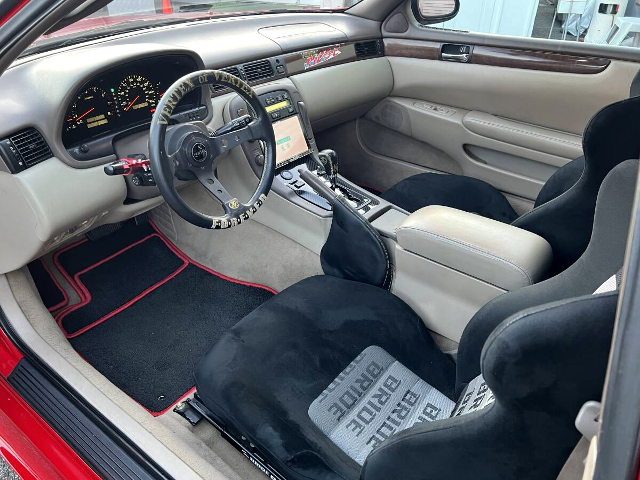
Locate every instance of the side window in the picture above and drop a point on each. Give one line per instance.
(613, 22)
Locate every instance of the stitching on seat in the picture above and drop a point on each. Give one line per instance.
(474, 249)
(525, 132)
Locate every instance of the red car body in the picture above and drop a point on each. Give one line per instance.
(32, 448)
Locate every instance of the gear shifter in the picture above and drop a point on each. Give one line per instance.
(329, 160)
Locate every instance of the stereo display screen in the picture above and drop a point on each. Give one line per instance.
(290, 141)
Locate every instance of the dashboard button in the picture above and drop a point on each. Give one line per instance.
(286, 175)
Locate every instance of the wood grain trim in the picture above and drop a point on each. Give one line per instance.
(394, 47)
(534, 60)
(502, 57)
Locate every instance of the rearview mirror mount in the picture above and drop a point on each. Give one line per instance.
(428, 12)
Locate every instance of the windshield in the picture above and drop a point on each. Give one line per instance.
(122, 15)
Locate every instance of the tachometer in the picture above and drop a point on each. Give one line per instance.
(137, 94)
(92, 108)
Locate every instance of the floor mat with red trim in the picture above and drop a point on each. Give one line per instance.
(147, 312)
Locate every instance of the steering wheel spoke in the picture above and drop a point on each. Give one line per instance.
(211, 183)
(223, 142)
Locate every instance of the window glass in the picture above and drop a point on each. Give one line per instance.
(614, 22)
(122, 15)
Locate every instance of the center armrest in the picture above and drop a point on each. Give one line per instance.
(495, 252)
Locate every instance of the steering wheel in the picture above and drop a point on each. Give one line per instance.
(189, 151)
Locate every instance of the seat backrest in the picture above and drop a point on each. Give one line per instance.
(566, 221)
(541, 365)
(602, 259)
(542, 351)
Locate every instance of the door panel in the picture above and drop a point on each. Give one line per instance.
(509, 116)
(480, 156)
(559, 101)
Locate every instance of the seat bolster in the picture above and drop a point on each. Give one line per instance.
(552, 356)
(497, 253)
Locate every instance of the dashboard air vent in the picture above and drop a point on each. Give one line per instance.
(29, 147)
(233, 71)
(371, 48)
(255, 71)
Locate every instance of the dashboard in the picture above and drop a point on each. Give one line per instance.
(123, 98)
(71, 111)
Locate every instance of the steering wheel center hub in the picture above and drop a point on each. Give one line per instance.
(199, 152)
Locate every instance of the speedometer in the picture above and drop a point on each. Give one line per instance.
(92, 108)
(137, 94)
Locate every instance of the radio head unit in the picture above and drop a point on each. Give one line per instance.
(291, 142)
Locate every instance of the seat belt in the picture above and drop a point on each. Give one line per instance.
(587, 423)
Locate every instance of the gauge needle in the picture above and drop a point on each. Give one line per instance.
(131, 104)
(83, 115)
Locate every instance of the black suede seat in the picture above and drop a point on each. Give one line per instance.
(505, 411)
(278, 359)
(455, 191)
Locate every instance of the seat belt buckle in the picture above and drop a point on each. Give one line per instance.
(588, 419)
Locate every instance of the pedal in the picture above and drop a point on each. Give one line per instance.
(141, 219)
(103, 230)
(109, 228)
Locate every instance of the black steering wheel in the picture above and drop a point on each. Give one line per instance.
(194, 150)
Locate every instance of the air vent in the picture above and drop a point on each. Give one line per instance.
(371, 48)
(233, 71)
(27, 148)
(259, 70)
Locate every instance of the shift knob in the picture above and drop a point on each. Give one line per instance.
(329, 159)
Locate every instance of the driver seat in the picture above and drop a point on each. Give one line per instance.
(336, 379)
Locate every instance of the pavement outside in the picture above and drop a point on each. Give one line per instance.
(6, 472)
(542, 24)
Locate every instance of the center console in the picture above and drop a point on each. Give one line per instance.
(447, 263)
(296, 152)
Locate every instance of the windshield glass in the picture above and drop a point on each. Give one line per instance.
(122, 15)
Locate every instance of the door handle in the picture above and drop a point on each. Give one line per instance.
(456, 57)
(453, 52)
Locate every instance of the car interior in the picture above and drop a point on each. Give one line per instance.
(335, 244)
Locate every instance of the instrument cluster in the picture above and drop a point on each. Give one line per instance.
(124, 97)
